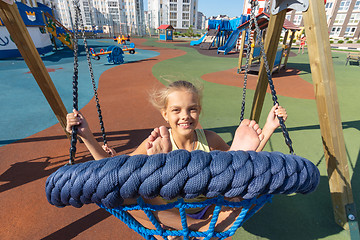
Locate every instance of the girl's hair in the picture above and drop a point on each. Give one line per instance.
(159, 98)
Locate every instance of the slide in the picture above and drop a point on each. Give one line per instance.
(209, 39)
(197, 42)
(230, 43)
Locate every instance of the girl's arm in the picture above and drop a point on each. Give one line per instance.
(84, 132)
(272, 123)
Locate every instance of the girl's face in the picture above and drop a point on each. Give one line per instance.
(182, 112)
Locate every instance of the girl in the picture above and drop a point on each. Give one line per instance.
(180, 106)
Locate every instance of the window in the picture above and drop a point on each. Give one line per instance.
(335, 31)
(328, 5)
(349, 32)
(344, 5)
(173, 23)
(186, 16)
(173, 7)
(288, 17)
(340, 19)
(354, 18)
(186, 8)
(297, 19)
(186, 1)
(185, 24)
(173, 15)
(357, 6)
(112, 4)
(173, 0)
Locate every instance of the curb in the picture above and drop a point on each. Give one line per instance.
(346, 48)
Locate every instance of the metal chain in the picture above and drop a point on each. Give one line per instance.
(269, 74)
(75, 86)
(248, 49)
(92, 79)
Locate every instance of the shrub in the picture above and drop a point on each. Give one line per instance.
(349, 41)
(358, 41)
(346, 38)
(331, 41)
(340, 41)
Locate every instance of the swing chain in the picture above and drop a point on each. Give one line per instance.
(75, 88)
(92, 78)
(248, 49)
(288, 141)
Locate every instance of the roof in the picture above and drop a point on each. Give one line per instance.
(263, 20)
(166, 27)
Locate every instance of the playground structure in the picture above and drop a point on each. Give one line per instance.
(114, 54)
(222, 34)
(122, 39)
(323, 78)
(165, 32)
(33, 19)
(58, 30)
(282, 51)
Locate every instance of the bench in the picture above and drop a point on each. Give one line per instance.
(354, 57)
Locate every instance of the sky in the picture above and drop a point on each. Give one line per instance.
(209, 8)
(232, 8)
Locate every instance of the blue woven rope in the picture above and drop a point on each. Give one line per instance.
(121, 213)
(186, 175)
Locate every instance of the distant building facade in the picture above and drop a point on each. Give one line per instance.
(343, 16)
(112, 16)
(181, 14)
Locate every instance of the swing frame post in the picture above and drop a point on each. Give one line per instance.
(271, 44)
(10, 15)
(327, 102)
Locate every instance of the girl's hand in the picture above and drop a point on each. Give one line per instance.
(109, 150)
(77, 119)
(272, 120)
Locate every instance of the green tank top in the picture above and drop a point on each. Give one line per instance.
(201, 143)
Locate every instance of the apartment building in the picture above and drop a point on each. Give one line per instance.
(181, 14)
(343, 17)
(112, 16)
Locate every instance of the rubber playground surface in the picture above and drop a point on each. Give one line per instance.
(33, 145)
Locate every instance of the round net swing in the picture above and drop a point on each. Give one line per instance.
(184, 175)
(178, 176)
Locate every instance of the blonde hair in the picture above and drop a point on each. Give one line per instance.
(159, 97)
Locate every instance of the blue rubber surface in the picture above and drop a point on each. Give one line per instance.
(24, 109)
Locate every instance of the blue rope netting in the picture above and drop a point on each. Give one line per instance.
(185, 175)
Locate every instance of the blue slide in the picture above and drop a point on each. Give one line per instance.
(197, 42)
(231, 42)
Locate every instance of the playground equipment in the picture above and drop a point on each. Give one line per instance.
(122, 39)
(130, 49)
(323, 78)
(251, 39)
(199, 41)
(58, 30)
(165, 32)
(222, 34)
(114, 54)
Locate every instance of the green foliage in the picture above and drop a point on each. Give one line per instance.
(331, 41)
(340, 41)
(190, 32)
(349, 41)
(358, 41)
